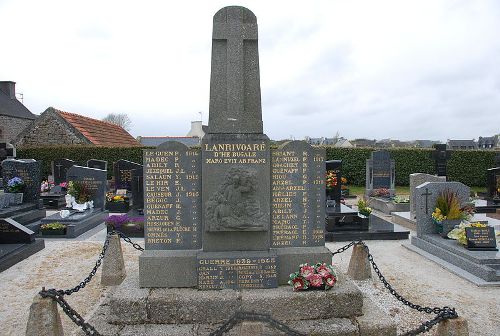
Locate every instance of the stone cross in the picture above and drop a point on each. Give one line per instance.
(426, 194)
(235, 105)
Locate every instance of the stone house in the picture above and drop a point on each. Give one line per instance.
(461, 144)
(192, 138)
(492, 142)
(55, 127)
(14, 116)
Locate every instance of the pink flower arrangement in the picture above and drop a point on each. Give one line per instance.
(319, 276)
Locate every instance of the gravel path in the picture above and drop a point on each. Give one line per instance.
(62, 264)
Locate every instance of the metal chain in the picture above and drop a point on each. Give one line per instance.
(442, 314)
(241, 316)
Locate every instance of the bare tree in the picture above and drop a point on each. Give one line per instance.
(120, 119)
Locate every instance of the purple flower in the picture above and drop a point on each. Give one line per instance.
(116, 221)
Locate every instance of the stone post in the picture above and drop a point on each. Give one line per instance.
(251, 328)
(453, 327)
(359, 266)
(44, 319)
(113, 266)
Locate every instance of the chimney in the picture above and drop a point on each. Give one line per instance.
(8, 88)
(196, 129)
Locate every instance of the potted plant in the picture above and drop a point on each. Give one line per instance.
(15, 187)
(363, 208)
(116, 203)
(131, 226)
(81, 196)
(53, 229)
(448, 214)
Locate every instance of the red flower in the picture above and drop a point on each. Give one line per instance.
(298, 284)
(323, 270)
(316, 280)
(330, 280)
(306, 271)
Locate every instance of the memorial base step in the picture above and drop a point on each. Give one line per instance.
(341, 311)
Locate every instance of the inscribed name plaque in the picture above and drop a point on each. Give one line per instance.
(232, 271)
(481, 238)
(122, 170)
(172, 197)
(94, 180)
(298, 195)
(236, 182)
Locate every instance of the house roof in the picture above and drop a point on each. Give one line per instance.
(14, 108)
(462, 143)
(100, 133)
(157, 140)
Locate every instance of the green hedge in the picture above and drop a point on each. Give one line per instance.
(468, 167)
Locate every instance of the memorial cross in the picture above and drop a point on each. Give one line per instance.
(426, 194)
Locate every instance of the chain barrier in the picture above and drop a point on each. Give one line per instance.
(442, 314)
(58, 294)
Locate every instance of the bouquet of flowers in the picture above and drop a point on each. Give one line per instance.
(381, 192)
(46, 186)
(15, 185)
(459, 233)
(111, 197)
(363, 208)
(319, 276)
(343, 183)
(79, 191)
(331, 180)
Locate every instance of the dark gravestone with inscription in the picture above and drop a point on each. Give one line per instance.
(493, 184)
(243, 245)
(98, 164)
(122, 170)
(29, 171)
(94, 180)
(172, 197)
(16, 243)
(60, 168)
(380, 172)
(334, 169)
(7, 151)
(137, 189)
(481, 238)
(440, 155)
(297, 195)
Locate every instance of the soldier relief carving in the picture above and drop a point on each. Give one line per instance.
(235, 206)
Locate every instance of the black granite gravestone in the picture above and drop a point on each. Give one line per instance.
(138, 189)
(7, 151)
(12, 232)
(60, 168)
(440, 156)
(493, 184)
(98, 164)
(380, 172)
(122, 170)
(334, 170)
(172, 197)
(481, 238)
(94, 179)
(29, 171)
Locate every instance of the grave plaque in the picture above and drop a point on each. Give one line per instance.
(11, 232)
(481, 238)
(29, 171)
(93, 179)
(122, 170)
(98, 164)
(60, 168)
(172, 197)
(440, 156)
(237, 271)
(137, 188)
(380, 172)
(297, 195)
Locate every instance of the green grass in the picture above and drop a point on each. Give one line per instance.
(400, 190)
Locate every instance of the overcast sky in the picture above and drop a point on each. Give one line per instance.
(367, 69)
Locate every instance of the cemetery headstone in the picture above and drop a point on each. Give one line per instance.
(7, 151)
(172, 197)
(29, 171)
(98, 164)
(426, 195)
(440, 156)
(137, 188)
(298, 197)
(122, 170)
(380, 172)
(11, 232)
(60, 168)
(94, 180)
(334, 167)
(493, 175)
(417, 179)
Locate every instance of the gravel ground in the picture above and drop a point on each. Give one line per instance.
(62, 264)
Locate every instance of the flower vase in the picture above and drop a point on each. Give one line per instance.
(16, 198)
(69, 200)
(448, 225)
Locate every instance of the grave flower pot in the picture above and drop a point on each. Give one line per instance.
(53, 232)
(120, 207)
(15, 198)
